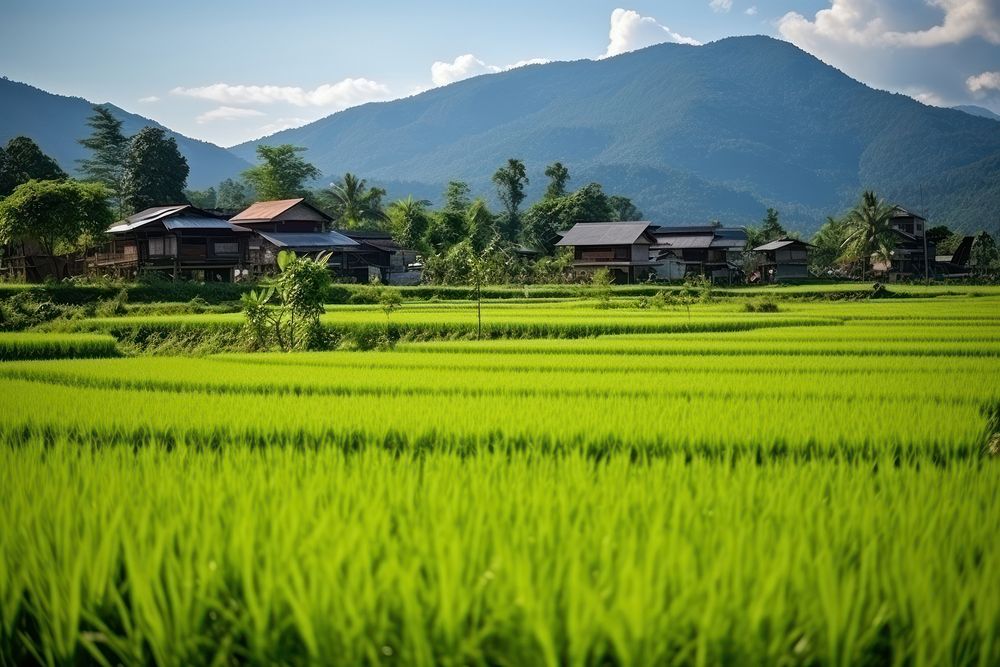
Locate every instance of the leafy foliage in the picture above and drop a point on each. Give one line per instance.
(354, 205)
(293, 323)
(108, 146)
(281, 173)
(60, 215)
(21, 161)
(155, 171)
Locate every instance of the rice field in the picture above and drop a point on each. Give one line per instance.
(815, 486)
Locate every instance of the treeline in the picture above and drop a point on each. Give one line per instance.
(514, 244)
(845, 247)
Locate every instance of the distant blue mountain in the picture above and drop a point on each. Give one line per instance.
(982, 112)
(692, 133)
(57, 122)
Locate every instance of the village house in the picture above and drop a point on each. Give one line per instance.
(291, 224)
(782, 260)
(180, 241)
(379, 255)
(913, 255)
(620, 247)
(713, 251)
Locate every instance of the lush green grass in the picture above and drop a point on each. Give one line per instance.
(285, 556)
(16, 346)
(762, 493)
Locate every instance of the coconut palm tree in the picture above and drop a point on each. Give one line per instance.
(354, 205)
(868, 232)
(409, 220)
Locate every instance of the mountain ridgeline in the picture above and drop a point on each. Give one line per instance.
(690, 133)
(56, 123)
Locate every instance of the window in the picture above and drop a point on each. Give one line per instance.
(165, 246)
(227, 248)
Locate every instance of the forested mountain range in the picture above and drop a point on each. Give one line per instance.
(57, 122)
(691, 133)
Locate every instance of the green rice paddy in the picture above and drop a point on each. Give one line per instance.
(589, 486)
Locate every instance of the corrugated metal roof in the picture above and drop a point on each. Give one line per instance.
(192, 222)
(312, 240)
(604, 233)
(180, 216)
(147, 216)
(694, 241)
(265, 210)
(781, 243)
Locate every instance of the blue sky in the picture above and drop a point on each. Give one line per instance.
(230, 71)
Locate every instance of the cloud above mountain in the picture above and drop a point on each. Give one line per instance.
(630, 31)
(340, 95)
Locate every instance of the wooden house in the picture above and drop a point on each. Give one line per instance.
(783, 260)
(291, 224)
(621, 247)
(181, 241)
(913, 255)
(713, 251)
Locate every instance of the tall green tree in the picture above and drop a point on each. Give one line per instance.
(232, 195)
(481, 225)
(551, 215)
(447, 226)
(408, 220)
(281, 174)
(21, 160)
(109, 148)
(868, 231)
(984, 259)
(155, 171)
(623, 210)
(202, 198)
(354, 205)
(829, 240)
(558, 178)
(511, 180)
(61, 216)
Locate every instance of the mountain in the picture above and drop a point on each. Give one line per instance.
(57, 123)
(691, 133)
(982, 112)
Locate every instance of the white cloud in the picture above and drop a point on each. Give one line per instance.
(982, 83)
(227, 113)
(468, 65)
(873, 23)
(751, 10)
(149, 100)
(721, 6)
(630, 31)
(462, 67)
(340, 95)
(283, 124)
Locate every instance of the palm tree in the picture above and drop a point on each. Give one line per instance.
(354, 205)
(868, 232)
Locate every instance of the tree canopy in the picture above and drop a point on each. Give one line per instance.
(155, 171)
(60, 216)
(510, 181)
(21, 160)
(353, 204)
(281, 174)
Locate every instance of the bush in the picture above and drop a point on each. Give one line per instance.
(764, 305)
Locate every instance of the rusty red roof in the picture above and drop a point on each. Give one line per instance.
(265, 211)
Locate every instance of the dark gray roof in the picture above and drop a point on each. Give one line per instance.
(193, 222)
(690, 241)
(308, 240)
(606, 233)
